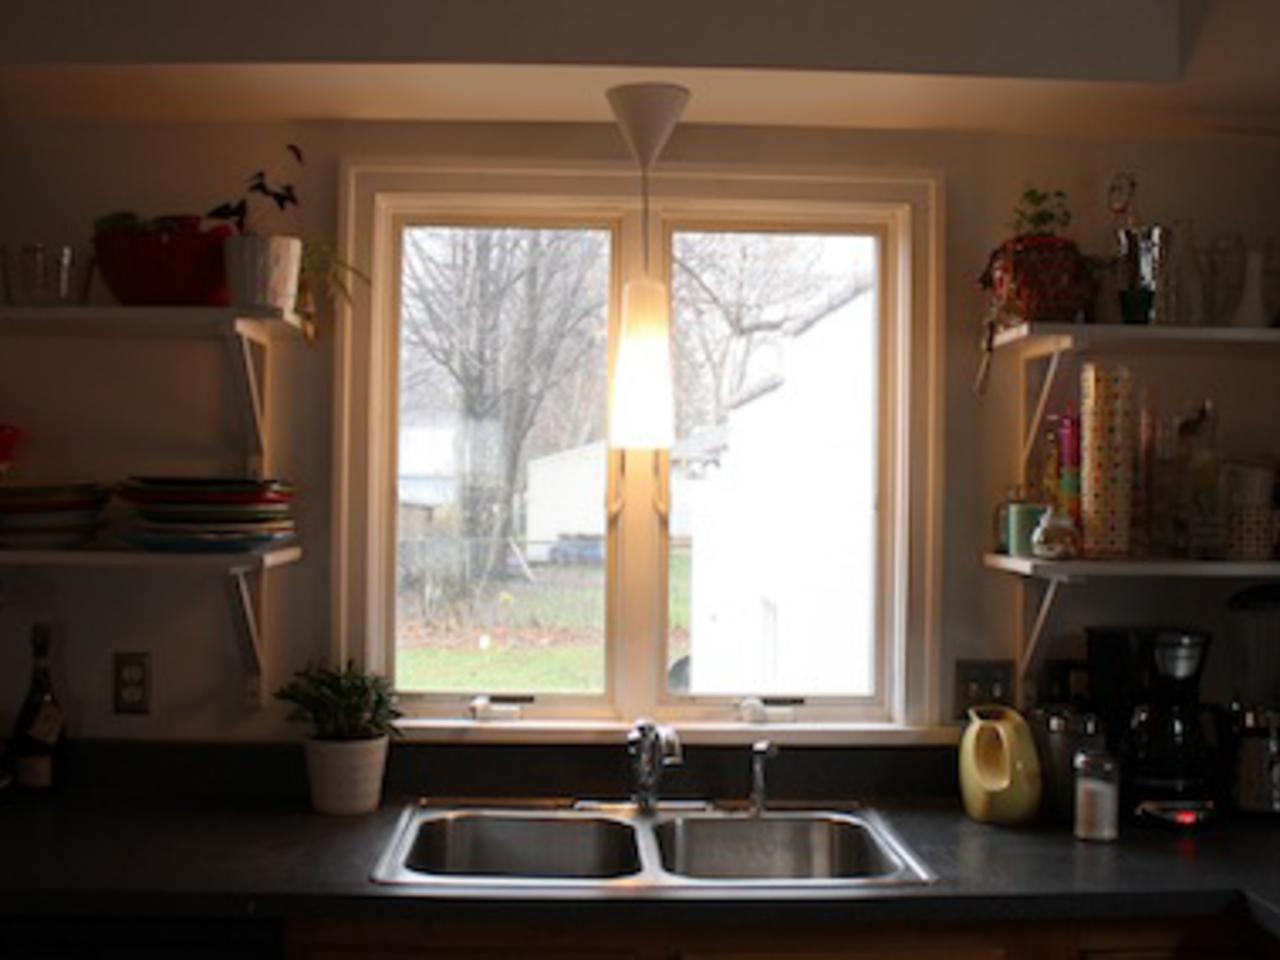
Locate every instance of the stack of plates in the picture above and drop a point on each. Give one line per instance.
(208, 514)
(50, 517)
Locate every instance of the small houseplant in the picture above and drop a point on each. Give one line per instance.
(262, 267)
(1038, 276)
(353, 716)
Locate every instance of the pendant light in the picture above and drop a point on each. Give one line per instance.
(643, 409)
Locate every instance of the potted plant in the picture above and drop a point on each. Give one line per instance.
(353, 716)
(326, 279)
(1037, 276)
(262, 267)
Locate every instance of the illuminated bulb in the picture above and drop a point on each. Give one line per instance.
(643, 406)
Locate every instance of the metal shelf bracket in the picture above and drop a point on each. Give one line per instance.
(1035, 635)
(247, 609)
(250, 348)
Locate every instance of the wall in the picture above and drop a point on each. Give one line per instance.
(102, 402)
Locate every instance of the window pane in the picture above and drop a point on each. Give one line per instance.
(773, 475)
(501, 527)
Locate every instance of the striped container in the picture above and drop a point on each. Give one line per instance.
(1107, 459)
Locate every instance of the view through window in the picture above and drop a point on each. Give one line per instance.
(502, 466)
(773, 528)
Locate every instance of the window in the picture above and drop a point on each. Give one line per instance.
(773, 530)
(500, 575)
(777, 565)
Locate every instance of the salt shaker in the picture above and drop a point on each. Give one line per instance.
(1097, 796)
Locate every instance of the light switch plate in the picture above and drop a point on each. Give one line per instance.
(131, 682)
(980, 682)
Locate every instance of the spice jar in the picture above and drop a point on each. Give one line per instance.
(1097, 796)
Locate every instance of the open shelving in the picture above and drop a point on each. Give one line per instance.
(1039, 348)
(249, 334)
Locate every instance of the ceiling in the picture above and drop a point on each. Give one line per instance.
(1230, 86)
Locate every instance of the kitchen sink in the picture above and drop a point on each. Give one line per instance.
(507, 845)
(774, 846)
(615, 850)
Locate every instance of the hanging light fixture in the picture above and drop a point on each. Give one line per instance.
(643, 408)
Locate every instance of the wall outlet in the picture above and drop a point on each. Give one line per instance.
(131, 682)
(981, 682)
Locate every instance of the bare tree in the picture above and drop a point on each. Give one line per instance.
(496, 323)
(737, 294)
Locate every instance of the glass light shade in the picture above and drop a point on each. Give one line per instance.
(643, 411)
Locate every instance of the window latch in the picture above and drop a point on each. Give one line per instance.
(769, 709)
(486, 707)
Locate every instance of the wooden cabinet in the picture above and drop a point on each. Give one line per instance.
(654, 937)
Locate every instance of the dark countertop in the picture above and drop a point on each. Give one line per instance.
(79, 856)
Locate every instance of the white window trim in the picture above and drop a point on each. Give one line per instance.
(375, 194)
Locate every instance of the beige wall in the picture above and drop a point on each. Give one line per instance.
(102, 402)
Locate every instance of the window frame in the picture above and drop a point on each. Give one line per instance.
(377, 195)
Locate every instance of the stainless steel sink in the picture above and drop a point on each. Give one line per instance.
(511, 845)
(617, 851)
(802, 846)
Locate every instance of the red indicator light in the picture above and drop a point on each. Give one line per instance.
(1185, 818)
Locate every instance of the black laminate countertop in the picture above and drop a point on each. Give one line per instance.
(84, 856)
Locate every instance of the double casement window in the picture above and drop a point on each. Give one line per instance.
(508, 568)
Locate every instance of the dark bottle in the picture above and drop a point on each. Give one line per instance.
(40, 729)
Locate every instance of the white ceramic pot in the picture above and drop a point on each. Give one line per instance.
(346, 775)
(263, 271)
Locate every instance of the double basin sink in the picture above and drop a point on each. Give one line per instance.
(615, 849)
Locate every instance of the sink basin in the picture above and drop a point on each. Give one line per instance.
(775, 846)
(515, 845)
(613, 850)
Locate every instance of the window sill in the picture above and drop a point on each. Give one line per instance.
(691, 734)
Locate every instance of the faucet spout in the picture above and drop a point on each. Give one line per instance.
(651, 748)
(761, 752)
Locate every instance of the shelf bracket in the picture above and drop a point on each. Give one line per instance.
(247, 607)
(1039, 626)
(250, 347)
(1042, 403)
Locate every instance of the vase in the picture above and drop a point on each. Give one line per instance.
(1252, 310)
(345, 776)
(262, 271)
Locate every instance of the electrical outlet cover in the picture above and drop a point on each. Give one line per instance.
(131, 682)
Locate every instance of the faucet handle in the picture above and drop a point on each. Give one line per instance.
(764, 749)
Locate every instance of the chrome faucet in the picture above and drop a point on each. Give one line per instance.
(651, 748)
(761, 752)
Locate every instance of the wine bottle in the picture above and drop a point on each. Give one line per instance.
(40, 729)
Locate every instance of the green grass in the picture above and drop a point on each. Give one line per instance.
(564, 601)
(553, 669)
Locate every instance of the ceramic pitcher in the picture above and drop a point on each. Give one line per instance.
(999, 770)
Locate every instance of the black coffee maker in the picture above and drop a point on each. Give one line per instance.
(1147, 685)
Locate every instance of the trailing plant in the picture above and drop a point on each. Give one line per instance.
(346, 704)
(262, 183)
(1041, 212)
(326, 279)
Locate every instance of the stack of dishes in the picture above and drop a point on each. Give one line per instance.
(208, 514)
(50, 517)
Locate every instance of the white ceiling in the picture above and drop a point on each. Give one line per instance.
(1231, 86)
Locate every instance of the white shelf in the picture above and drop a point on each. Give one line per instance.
(1132, 569)
(1042, 338)
(100, 557)
(145, 322)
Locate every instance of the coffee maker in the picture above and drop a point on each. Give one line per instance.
(1147, 685)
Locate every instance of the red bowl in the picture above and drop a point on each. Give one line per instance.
(170, 263)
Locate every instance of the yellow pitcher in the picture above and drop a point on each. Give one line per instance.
(999, 770)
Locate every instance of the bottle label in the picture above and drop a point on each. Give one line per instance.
(34, 771)
(47, 724)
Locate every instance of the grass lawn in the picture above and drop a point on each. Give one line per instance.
(554, 669)
(560, 624)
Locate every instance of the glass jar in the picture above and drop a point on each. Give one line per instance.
(1055, 536)
(1097, 816)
